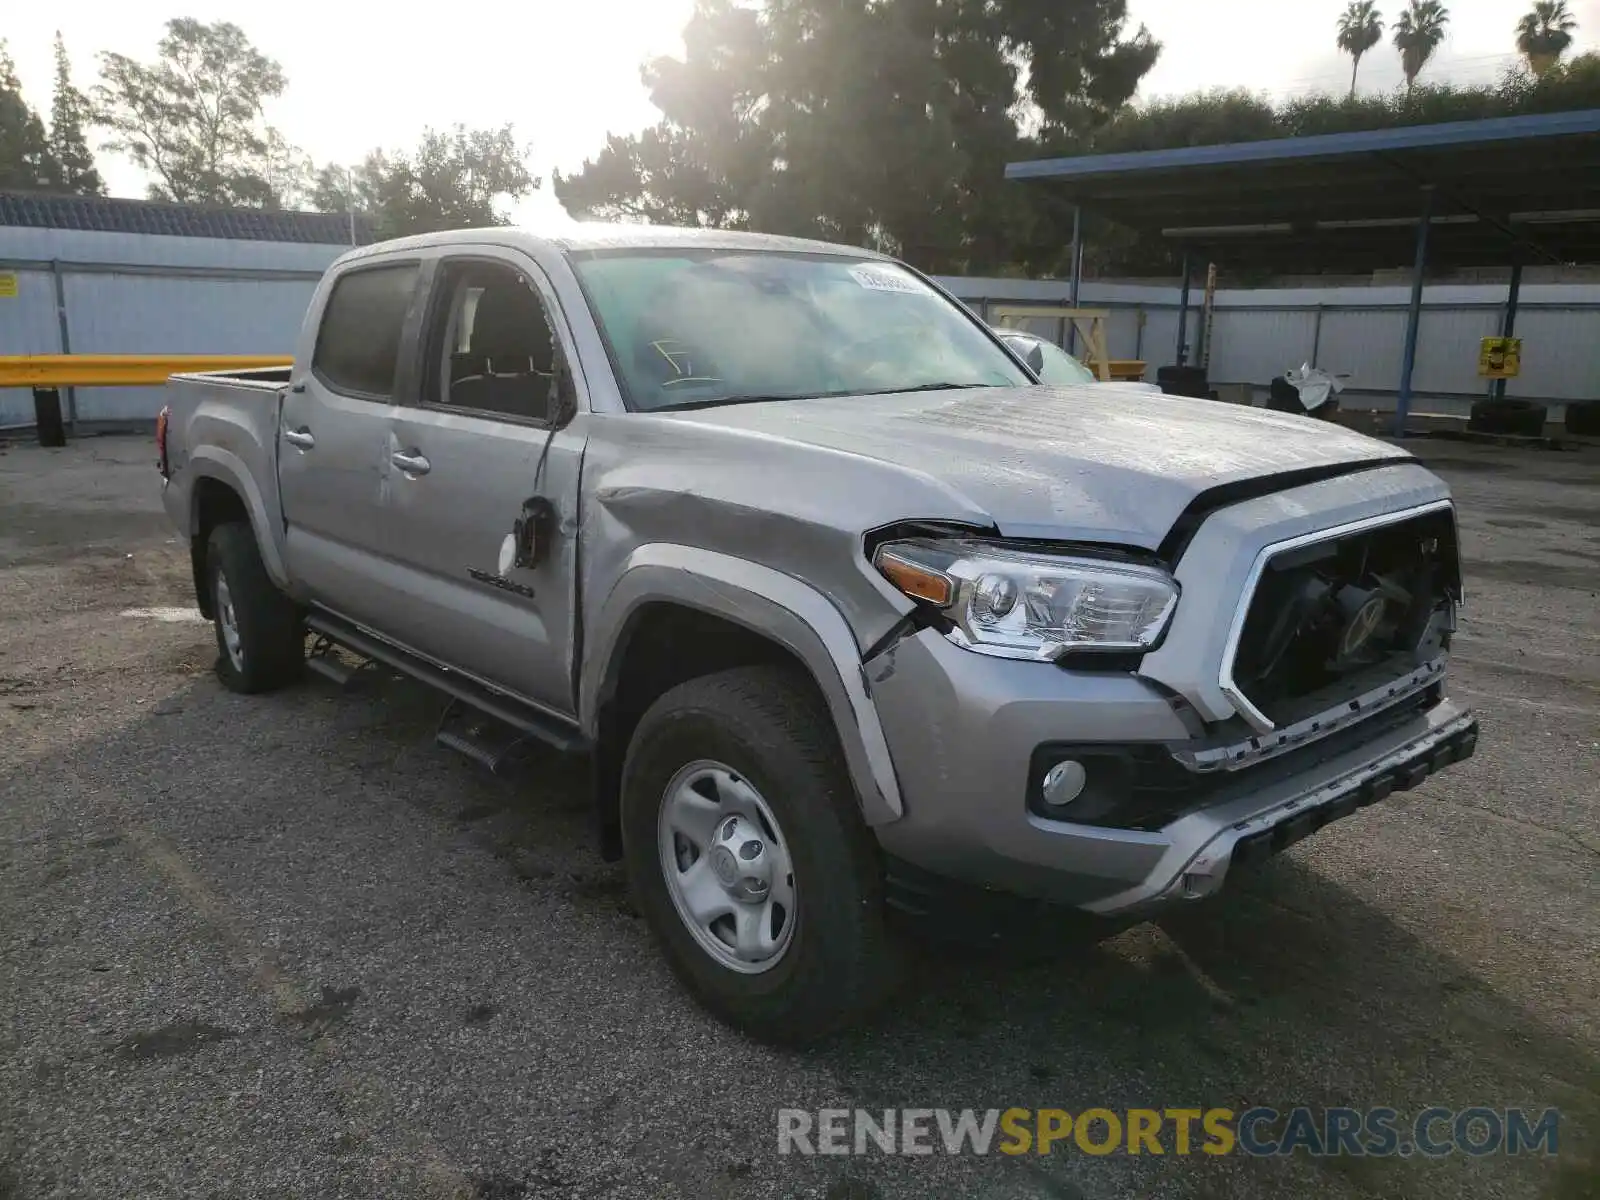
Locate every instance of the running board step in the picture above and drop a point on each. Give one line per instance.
(332, 669)
(486, 741)
(325, 661)
(525, 719)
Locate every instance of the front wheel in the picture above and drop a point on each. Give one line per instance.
(747, 855)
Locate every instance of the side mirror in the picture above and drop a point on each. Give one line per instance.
(1034, 358)
(533, 532)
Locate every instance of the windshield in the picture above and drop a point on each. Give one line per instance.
(688, 327)
(1052, 364)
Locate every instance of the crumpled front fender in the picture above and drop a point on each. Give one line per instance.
(769, 603)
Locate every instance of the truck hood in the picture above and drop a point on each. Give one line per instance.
(1087, 463)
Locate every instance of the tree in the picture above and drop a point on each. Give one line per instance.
(1215, 118)
(879, 122)
(337, 189)
(1544, 34)
(657, 176)
(25, 160)
(193, 118)
(287, 171)
(1417, 34)
(69, 112)
(1220, 117)
(1360, 29)
(452, 180)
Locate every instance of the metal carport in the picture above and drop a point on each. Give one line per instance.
(1507, 191)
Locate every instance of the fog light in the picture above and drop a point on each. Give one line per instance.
(1063, 783)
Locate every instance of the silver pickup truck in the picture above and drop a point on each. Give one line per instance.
(856, 621)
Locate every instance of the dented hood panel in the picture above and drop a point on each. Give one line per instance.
(1077, 462)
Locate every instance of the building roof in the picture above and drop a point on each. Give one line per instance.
(1502, 188)
(102, 214)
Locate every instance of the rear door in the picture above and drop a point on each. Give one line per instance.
(335, 429)
(481, 454)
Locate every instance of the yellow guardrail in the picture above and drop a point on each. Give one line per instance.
(120, 370)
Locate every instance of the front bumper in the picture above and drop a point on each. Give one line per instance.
(1239, 835)
(962, 727)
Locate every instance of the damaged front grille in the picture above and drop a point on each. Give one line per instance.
(1336, 617)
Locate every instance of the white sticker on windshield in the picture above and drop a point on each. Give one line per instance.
(886, 279)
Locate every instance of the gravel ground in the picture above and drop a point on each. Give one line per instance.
(287, 946)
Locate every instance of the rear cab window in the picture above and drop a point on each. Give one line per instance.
(358, 341)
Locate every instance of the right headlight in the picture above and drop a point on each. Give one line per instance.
(1021, 604)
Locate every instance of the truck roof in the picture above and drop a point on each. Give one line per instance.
(583, 236)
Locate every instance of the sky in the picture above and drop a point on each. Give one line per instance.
(566, 72)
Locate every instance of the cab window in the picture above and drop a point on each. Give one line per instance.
(358, 341)
(492, 348)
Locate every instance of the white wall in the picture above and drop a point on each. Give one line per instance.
(149, 294)
(1257, 334)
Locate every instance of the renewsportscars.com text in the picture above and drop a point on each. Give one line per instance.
(1374, 1132)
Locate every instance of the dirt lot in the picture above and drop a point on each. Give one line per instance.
(289, 947)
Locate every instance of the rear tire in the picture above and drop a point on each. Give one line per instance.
(757, 740)
(260, 637)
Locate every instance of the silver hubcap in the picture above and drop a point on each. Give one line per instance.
(229, 623)
(727, 867)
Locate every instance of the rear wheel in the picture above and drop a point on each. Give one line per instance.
(747, 854)
(260, 638)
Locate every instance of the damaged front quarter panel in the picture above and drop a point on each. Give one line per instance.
(688, 515)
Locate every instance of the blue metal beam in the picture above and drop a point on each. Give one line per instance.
(1077, 252)
(1077, 274)
(1508, 323)
(1183, 313)
(1328, 145)
(1414, 316)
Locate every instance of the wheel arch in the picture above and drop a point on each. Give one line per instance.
(667, 593)
(224, 490)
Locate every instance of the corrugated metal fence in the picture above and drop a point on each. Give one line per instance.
(101, 293)
(1258, 334)
(83, 292)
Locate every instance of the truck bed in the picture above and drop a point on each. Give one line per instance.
(223, 425)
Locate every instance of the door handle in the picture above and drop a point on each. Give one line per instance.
(299, 437)
(411, 464)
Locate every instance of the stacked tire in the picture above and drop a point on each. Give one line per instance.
(1517, 418)
(1183, 381)
(1583, 418)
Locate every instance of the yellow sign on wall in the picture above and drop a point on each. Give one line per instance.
(8, 285)
(1500, 358)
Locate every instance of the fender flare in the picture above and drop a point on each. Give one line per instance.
(769, 603)
(214, 462)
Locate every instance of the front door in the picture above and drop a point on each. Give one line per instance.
(334, 431)
(484, 501)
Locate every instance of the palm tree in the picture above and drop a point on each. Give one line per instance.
(1360, 29)
(1545, 33)
(1417, 35)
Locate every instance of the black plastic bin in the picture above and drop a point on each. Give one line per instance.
(1184, 381)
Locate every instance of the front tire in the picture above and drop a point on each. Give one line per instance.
(260, 638)
(747, 855)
